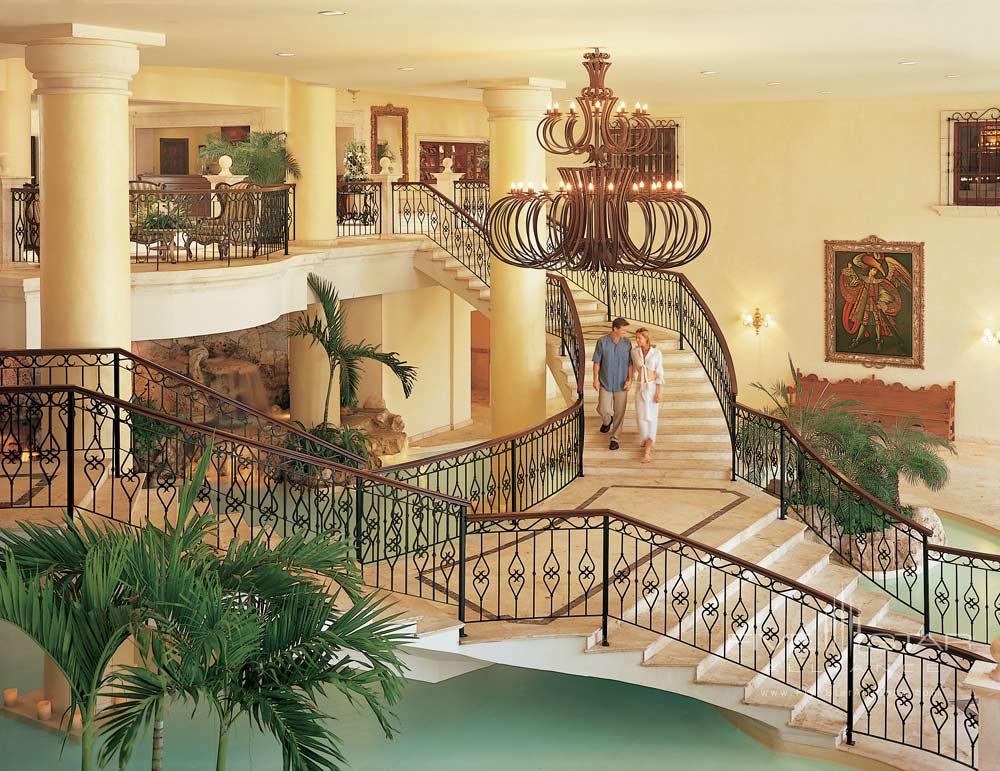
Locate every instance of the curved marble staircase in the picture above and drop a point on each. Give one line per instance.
(693, 440)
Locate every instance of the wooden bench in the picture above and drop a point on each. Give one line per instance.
(932, 406)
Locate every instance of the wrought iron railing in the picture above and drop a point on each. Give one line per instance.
(420, 209)
(25, 233)
(170, 226)
(359, 209)
(957, 593)
(515, 472)
(562, 321)
(473, 197)
(59, 452)
(601, 565)
(668, 300)
(125, 375)
(910, 691)
(227, 223)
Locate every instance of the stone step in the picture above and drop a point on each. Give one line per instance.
(794, 558)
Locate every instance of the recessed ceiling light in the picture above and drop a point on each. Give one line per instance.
(284, 54)
(825, 93)
(773, 83)
(908, 62)
(333, 13)
(708, 72)
(406, 69)
(954, 75)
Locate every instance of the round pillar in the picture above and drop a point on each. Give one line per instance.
(16, 85)
(309, 378)
(312, 137)
(83, 180)
(517, 295)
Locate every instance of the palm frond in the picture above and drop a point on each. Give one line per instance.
(406, 373)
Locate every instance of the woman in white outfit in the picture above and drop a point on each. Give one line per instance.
(646, 371)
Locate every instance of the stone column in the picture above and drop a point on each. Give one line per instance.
(385, 179)
(312, 137)
(517, 295)
(308, 378)
(16, 85)
(83, 76)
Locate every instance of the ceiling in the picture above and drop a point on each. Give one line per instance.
(660, 48)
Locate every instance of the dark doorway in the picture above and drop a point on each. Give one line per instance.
(173, 156)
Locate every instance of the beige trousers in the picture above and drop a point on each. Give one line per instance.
(611, 407)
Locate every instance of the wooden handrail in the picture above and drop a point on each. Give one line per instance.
(925, 641)
(188, 382)
(730, 366)
(836, 472)
(568, 514)
(577, 326)
(450, 204)
(230, 437)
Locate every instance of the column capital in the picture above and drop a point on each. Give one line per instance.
(81, 58)
(519, 98)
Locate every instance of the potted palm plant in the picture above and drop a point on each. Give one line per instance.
(328, 332)
(262, 157)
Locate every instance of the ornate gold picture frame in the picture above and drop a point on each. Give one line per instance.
(403, 162)
(875, 302)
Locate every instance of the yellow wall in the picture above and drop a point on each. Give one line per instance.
(430, 330)
(429, 119)
(780, 178)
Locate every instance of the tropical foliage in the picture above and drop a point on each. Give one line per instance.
(873, 457)
(255, 630)
(263, 157)
(328, 331)
(349, 438)
(356, 162)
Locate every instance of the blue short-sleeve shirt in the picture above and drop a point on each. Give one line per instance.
(614, 359)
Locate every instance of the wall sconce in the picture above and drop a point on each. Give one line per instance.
(758, 320)
(991, 336)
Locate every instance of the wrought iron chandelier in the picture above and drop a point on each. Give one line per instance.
(600, 217)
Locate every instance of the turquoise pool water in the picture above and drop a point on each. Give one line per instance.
(495, 719)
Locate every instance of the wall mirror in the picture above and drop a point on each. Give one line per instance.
(390, 138)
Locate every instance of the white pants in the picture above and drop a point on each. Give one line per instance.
(647, 412)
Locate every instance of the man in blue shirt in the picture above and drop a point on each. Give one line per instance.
(612, 356)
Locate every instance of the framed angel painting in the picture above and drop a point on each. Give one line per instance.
(875, 302)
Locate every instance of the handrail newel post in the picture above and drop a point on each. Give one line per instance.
(850, 678)
(116, 438)
(512, 473)
(927, 583)
(606, 560)
(781, 471)
(607, 290)
(732, 431)
(70, 453)
(288, 215)
(463, 532)
(680, 324)
(562, 320)
(581, 428)
(359, 496)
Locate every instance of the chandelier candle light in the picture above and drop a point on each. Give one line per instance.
(585, 223)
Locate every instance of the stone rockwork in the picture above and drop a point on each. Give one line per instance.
(254, 360)
(385, 429)
(894, 548)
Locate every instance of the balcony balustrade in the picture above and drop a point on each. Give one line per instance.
(227, 223)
